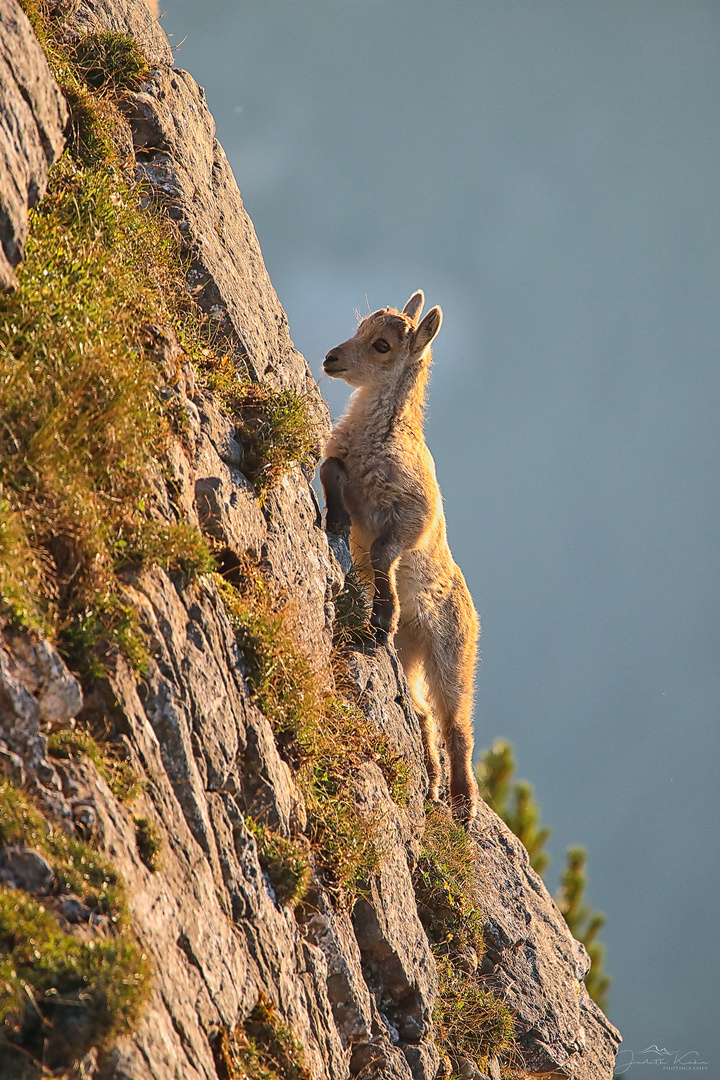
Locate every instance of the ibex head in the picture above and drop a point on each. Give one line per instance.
(385, 343)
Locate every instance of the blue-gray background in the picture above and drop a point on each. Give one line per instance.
(547, 170)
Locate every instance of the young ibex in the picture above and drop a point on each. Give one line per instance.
(378, 477)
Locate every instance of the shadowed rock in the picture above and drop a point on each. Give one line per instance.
(33, 117)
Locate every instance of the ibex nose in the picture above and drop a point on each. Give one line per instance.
(330, 363)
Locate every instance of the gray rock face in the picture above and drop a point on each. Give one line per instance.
(185, 167)
(42, 672)
(23, 868)
(534, 961)
(36, 690)
(332, 932)
(397, 961)
(379, 683)
(210, 489)
(33, 117)
(357, 988)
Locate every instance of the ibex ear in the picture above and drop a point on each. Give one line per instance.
(414, 305)
(427, 329)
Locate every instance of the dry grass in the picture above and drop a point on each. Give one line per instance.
(107, 758)
(470, 1021)
(263, 1047)
(325, 738)
(81, 424)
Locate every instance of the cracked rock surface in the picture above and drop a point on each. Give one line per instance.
(33, 118)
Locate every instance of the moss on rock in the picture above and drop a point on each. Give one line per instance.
(72, 973)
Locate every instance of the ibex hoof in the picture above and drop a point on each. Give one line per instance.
(463, 813)
(381, 636)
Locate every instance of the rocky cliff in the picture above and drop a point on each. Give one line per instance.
(179, 782)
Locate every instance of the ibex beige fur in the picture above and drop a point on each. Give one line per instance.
(380, 488)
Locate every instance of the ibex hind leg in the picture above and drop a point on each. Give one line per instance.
(411, 651)
(430, 746)
(463, 786)
(449, 674)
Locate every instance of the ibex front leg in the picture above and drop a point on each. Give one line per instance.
(333, 478)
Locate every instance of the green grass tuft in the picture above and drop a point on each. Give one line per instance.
(110, 61)
(24, 572)
(446, 886)
(275, 427)
(98, 133)
(173, 547)
(60, 993)
(262, 1048)
(352, 613)
(107, 758)
(469, 1020)
(82, 424)
(107, 625)
(286, 862)
(281, 678)
(78, 867)
(149, 843)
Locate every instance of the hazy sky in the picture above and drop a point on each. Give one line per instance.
(547, 170)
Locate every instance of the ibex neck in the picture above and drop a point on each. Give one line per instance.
(395, 404)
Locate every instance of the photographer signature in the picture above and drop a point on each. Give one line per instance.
(653, 1055)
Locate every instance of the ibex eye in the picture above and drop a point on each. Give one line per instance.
(381, 345)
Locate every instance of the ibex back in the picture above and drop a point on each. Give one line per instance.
(380, 489)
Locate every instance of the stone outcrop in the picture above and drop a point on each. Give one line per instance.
(33, 117)
(183, 164)
(534, 962)
(357, 987)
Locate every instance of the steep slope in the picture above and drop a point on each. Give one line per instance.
(339, 977)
